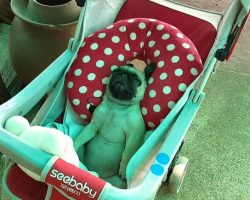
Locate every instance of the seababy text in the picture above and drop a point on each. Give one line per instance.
(71, 185)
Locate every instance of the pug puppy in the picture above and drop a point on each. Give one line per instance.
(117, 128)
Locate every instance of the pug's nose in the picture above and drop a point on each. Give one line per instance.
(119, 88)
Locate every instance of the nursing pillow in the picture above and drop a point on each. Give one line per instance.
(177, 65)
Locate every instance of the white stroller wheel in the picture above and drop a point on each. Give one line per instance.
(177, 176)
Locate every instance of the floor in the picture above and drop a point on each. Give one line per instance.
(217, 143)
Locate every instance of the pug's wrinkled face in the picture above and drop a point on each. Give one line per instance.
(127, 84)
(123, 84)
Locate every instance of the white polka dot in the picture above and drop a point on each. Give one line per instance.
(110, 26)
(173, 27)
(113, 67)
(190, 57)
(160, 27)
(101, 35)
(151, 43)
(144, 111)
(115, 39)
(85, 59)
(151, 80)
(83, 89)
(90, 35)
(180, 35)
(178, 72)
(98, 93)
(182, 87)
(152, 93)
(142, 25)
(149, 33)
(163, 76)
(131, 20)
(76, 102)
(142, 44)
(151, 124)
(157, 53)
(83, 44)
(134, 54)
(194, 71)
(133, 36)
(70, 84)
(108, 51)
(105, 80)
(166, 90)
(122, 28)
(157, 108)
(83, 116)
(152, 20)
(91, 77)
(175, 59)
(186, 45)
(88, 106)
(171, 104)
(94, 46)
(100, 63)
(165, 36)
(161, 64)
(127, 47)
(78, 72)
(170, 47)
(121, 57)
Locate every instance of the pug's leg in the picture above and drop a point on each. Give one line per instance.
(86, 135)
(133, 142)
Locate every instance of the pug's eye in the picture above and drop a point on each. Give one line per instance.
(136, 79)
(116, 71)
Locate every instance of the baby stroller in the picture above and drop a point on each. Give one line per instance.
(214, 36)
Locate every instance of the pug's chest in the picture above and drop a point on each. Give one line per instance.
(112, 128)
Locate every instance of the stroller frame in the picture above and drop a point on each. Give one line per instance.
(173, 128)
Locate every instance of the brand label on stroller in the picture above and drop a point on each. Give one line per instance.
(73, 181)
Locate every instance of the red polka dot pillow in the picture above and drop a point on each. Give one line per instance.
(177, 65)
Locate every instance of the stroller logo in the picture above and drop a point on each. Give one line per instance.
(71, 185)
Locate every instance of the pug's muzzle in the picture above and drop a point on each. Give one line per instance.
(123, 84)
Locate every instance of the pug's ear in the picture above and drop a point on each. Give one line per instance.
(148, 71)
(130, 65)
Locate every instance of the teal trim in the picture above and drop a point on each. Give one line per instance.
(49, 192)
(205, 76)
(47, 167)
